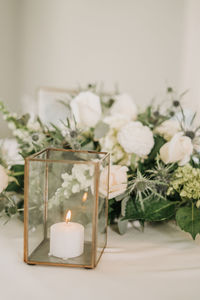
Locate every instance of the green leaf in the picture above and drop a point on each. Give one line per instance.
(188, 219)
(12, 210)
(58, 133)
(24, 120)
(158, 143)
(159, 210)
(155, 209)
(169, 89)
(114, 210)
(133, 212)
(109, 103)
(19, 185)
(100, 130)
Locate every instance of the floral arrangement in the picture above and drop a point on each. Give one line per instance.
(155, 156)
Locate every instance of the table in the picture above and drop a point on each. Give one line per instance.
(161, 263)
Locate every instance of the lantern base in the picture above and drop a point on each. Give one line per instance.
(41, 255)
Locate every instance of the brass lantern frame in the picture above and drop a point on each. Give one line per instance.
(34, 157)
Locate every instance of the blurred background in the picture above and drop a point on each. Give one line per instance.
(141, 45)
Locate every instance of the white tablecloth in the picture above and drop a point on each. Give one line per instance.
(161, 263)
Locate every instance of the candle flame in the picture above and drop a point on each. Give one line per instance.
(85, 195)
(68, 216)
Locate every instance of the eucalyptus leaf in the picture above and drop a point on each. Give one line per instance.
(123, 206)
(120, 197)
(133, 162)
(2, 205)
(100, 130)
(188, 219)
(122, 226)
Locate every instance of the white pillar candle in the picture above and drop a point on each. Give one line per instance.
(66, 239)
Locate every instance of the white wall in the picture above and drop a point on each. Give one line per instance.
(137, 43)
(190, 63)
(8, 57)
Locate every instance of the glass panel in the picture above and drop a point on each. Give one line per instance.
(36, 204)
(72, 190)
(102, 207)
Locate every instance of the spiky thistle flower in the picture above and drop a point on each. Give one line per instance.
(162, 173)
(144, 188)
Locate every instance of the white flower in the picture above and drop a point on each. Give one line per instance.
(80, 179)
(86, 108)
(21, 134)
(11, 125)
(168, 129)
(75, 188)
(67, 193)
(83, 174)
(179, 149)
(67, 179)
(124, 105)
(10, 151)
(198, 204)
(136, 138)
(196, 143)
(117, 181)
(33, 125)
(116, 121)
(3, 179)
(37, 138)
(10, 115)
(109, 143)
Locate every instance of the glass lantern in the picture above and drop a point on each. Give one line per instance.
(66, 207)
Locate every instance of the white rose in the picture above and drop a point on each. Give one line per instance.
(117, 181)
(168, 129)
(116, 121)
(136, 138)
(124, 105)
(3, 179)
(179, 149)
(86, 108)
